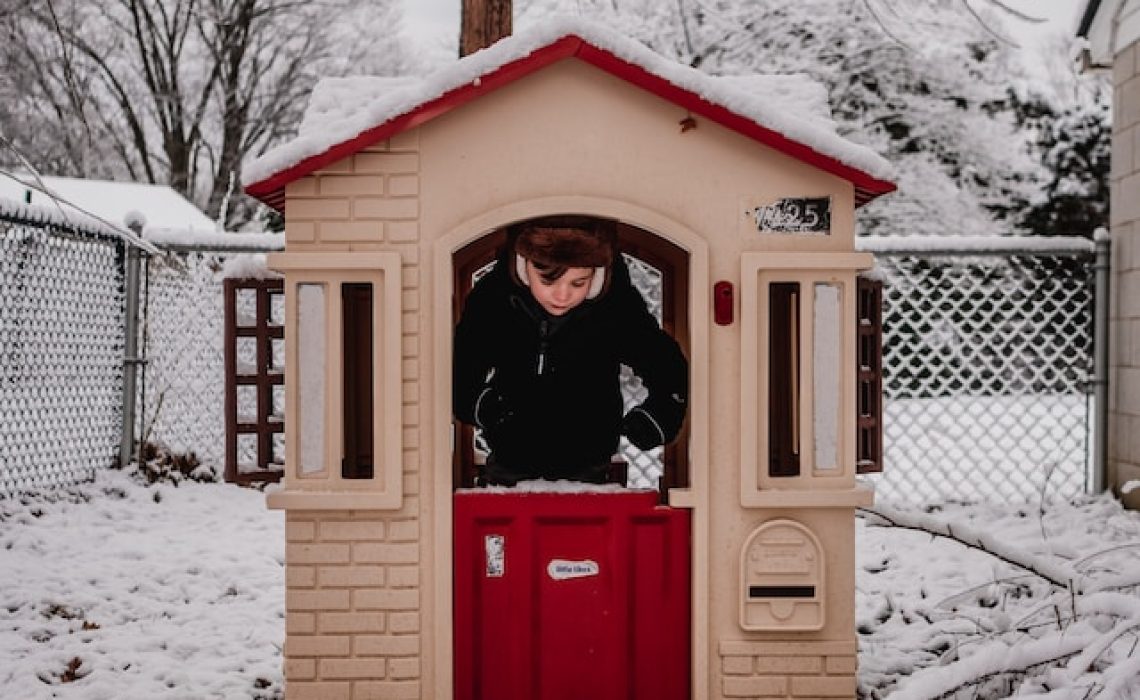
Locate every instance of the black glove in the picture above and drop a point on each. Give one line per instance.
(492, 409)
(641, 429)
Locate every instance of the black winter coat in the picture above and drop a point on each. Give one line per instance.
(559, 376)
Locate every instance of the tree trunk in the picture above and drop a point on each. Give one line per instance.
(483, 23)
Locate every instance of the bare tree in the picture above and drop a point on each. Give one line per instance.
(177, 92)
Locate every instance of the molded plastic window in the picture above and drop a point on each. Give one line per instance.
(312, 357)
(344, 383)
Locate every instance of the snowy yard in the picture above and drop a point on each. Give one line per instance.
(131, 592)
(127, 591)
(960, 614)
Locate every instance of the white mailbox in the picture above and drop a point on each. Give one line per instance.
(782, 578)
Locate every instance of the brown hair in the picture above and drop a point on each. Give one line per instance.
(557, 243)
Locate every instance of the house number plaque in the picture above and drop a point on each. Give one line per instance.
(806, 215)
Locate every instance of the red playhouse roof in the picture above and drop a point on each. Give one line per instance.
(267, 176)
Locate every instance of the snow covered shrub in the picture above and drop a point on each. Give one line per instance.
(160, 464)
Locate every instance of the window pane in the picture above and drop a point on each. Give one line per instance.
(783, 379)
(828, 343)
(311, 361)
(356, 305)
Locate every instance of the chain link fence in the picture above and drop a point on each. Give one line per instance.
(63, 342)
(645, 466)
(183, 385)
(61, 349)
(988, 360)
(182, 392)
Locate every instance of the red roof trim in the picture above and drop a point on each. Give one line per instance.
(271, 189)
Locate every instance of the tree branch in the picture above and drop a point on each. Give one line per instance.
(1061, 576)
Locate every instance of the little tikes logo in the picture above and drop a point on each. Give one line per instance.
(561, 569)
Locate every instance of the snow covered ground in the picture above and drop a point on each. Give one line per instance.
(137, 592)
(126, 591)
(936, 613)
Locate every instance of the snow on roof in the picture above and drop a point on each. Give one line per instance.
(334, 100)
(347, 115)
(974, 245)
(227, 241)
(791, 93)
(65, 217)
(160, 206)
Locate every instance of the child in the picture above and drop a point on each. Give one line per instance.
(537, 350)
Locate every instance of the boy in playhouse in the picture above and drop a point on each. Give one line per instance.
(537, 353)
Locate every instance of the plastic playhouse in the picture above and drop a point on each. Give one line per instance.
(735, 577)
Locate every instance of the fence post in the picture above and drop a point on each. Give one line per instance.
(130, 351)
(1101, 269)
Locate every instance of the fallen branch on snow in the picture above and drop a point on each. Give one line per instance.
(1059, 574)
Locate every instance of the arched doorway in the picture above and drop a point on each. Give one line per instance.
(582, 593)
(660, 271)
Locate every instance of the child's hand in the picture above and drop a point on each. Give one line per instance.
(641, 429)
(492, 409)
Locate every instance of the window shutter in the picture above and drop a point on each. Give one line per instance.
(869, 377)
(263, 429)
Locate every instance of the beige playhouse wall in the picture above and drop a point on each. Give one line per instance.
(369, 582)
(1124, 294)
(611, 141)
(354, 552)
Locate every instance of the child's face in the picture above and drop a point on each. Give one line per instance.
(564, 293)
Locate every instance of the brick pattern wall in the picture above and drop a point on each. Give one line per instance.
(1124, 324)
(352, 599)
(787, 669)
(353, 577)
(370, 197)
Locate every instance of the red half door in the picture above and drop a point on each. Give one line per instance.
(571, 596)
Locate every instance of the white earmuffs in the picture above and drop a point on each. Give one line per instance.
(520, 270)
(596, 284)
